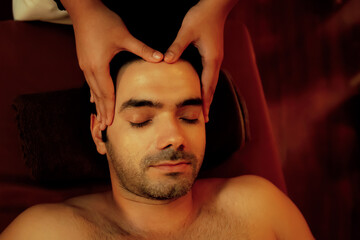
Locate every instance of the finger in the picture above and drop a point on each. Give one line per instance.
(209, 79)
(109, 108)
(105, 96)
(100, 110)
(102, 89)
(182, 40)
(142, 50)
(90, 81)
(92, 100)
(98, 117)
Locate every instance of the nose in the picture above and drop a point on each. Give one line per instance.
(170, 135)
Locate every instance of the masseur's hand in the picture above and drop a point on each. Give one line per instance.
(100, 34)
(203, 26)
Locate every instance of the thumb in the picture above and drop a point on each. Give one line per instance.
(181, 41)
(209, 79)
(142, 50)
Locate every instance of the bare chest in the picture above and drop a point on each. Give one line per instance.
(200, 232)
(211, 225)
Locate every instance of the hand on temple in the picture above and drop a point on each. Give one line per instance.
(100, 34)
(203, 26)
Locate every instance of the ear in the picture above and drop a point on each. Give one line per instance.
(96, 134)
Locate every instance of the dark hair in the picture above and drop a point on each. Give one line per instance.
(190, 55)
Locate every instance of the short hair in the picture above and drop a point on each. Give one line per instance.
(190, 55)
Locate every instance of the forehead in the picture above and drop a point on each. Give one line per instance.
(157, 81)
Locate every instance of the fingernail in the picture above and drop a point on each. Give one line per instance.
(169, 56)
(108, 121)
(157, 55)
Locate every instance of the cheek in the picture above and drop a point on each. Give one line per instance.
(124, 155)
(131, 144)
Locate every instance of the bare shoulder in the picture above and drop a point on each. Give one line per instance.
(244, 187)
(54, 221)
(265, 203)
(44, 221)
(251, 185)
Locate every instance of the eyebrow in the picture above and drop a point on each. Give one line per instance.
(136, 103)
(190, 102)
(133, 103)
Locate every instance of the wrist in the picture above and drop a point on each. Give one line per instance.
(221, 7)
(80, 9)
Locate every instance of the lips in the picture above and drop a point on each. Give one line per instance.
(178, 166)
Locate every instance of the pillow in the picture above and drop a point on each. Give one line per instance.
(56, 142)
(55, 138)
(227, 131)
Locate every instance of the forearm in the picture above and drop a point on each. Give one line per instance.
(222, 7)
(78, 9)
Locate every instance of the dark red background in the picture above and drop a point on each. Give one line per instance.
(308, 54)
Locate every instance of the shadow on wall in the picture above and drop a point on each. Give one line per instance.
(308, 54)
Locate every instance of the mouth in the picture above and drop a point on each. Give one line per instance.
(179, 166)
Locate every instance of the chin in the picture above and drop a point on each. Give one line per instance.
(167, 189)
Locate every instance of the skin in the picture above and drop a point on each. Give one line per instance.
(246, 207)
(160, 128)
(100, 34)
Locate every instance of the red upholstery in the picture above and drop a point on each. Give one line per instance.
(39, 57)
(259, 156)
(35, 57)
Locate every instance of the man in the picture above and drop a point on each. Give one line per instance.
(155, 148)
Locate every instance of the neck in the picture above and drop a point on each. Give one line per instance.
(156, 216)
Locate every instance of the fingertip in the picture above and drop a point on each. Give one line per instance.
(142, 50)
(102, 126)
(206, 106)
(181, 42)
(92, 99)
(157, 56)
(206, 116)
(169, 56)
(109, 120)
(110, 111)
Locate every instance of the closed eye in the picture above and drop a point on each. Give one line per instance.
(141, 124)
(190, 121)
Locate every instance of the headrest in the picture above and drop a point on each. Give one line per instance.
(57, 144)
(227, 129)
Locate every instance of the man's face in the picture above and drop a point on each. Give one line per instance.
(156, 143)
